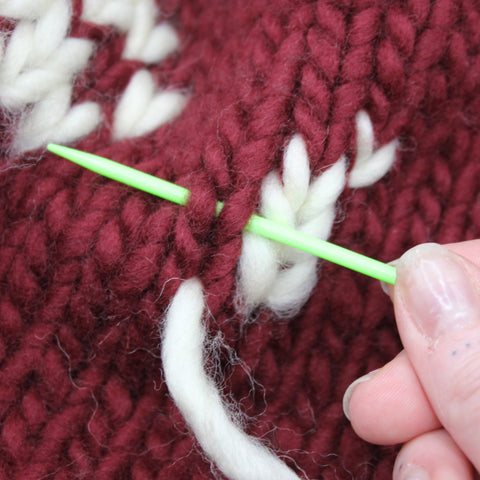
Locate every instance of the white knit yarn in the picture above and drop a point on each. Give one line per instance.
(370, 164)
(237, 455)
(37, 68)
(274, 275)
(282, 278)
(38, 65)
(145, 40)
(24, 9)
(143, 109)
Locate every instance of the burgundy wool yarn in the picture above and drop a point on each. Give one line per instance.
(88, 267)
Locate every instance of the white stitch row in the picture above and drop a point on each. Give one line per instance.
(143, 107)
(37, 68)
(146, 41)
(282, 278)
(39, 63)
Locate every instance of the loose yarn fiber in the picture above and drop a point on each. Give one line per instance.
(143, 340)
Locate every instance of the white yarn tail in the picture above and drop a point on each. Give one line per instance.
(237, 455)
(282, 278)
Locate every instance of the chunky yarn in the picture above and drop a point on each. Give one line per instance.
(144, 340)
(237, 455)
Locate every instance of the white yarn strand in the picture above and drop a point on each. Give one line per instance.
(146, 41)
(296, 175)
(23, 9)
(237, 455)
(162, 42)
(118, 13)
(54, 120)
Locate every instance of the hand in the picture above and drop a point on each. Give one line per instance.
(428, 397)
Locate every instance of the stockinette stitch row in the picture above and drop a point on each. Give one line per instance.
(285, 102)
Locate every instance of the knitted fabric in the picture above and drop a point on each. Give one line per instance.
(213, 95)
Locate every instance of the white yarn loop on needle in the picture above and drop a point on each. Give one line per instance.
(282, 278)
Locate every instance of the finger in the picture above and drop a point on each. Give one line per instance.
(432, 456)
(437, 306)
(469, 250)
(390, 407)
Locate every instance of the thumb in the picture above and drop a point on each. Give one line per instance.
(437, 306)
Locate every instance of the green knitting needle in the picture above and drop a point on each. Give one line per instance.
(260, 225)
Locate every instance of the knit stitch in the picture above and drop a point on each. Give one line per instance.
(146, 40)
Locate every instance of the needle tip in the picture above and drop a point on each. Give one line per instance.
(54, 148)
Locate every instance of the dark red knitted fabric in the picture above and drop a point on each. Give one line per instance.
(88, 266)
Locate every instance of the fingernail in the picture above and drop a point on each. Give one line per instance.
(349, 391)
(414, 472)
(436, 290)
(384, 285)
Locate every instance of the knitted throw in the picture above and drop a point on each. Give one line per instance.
(143, 340)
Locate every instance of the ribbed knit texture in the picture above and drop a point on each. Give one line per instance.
(88, 266)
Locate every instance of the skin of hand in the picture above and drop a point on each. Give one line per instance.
(428, 397)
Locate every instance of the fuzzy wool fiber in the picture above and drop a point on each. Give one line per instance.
(143, 340)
